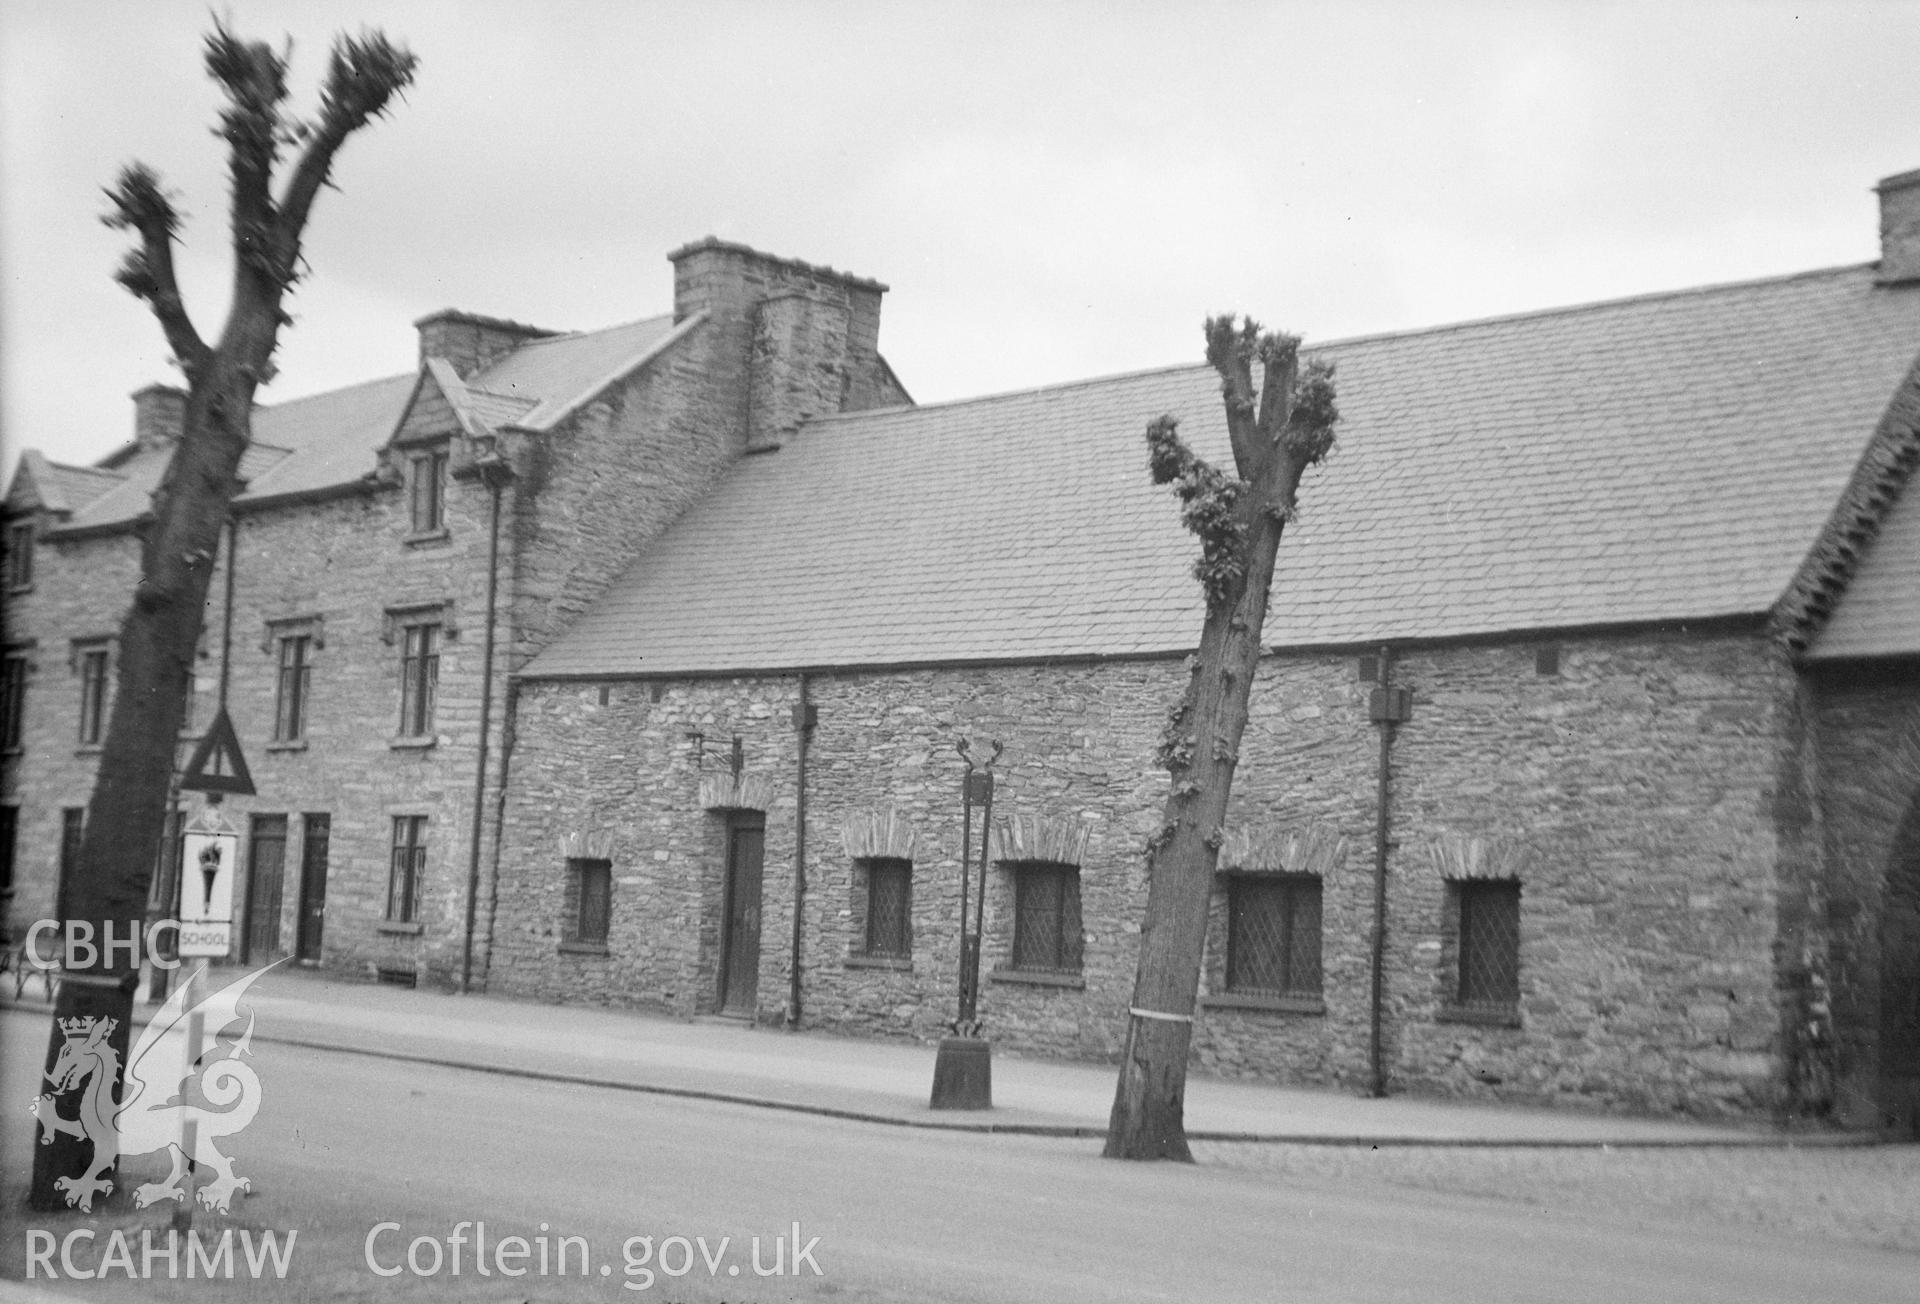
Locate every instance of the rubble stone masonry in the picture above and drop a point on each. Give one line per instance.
(1631, 789)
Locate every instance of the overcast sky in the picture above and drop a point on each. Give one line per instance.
(1052, 191)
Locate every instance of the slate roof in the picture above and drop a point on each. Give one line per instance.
(331, 440)
(1665, 458)
(55, 487)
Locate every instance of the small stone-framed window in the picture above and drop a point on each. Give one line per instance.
(589, 904)
(292, 684)
(406, 868)
(19, 564)
(419, 678)
(883, 907)
(1273, 935)
(427, 491)
(13, 700)
(1481, 950)
(1046, 917)
(92, 662)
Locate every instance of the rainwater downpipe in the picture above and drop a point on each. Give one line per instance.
(495, 473)
(1383, 713)
(803, 727)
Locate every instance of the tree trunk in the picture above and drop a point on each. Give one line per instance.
(126, 816)
(1148, 1119)
(1276, 434)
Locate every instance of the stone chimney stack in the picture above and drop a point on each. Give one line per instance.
(159, 415)
(793, 340)
(470, 341)
(1899, 228)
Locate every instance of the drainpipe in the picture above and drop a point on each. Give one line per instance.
(509, 724)
(1389, 706)
(495, 473)
(803, 719)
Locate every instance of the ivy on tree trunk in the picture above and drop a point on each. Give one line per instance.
(180, 535)
(1277, 431)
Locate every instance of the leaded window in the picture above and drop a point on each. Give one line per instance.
(1046, 917)
(1489, 945)
(1273, 935)
(888, 901)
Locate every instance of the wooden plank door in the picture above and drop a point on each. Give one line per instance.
(314, 845)
(740, 936)
(266, 875)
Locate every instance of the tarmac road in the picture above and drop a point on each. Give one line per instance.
(345, 1143)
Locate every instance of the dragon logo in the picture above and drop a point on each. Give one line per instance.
(149, 1117)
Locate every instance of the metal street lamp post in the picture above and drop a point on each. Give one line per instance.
(963, 1068)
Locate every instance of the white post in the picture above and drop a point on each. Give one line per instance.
(189, 1128)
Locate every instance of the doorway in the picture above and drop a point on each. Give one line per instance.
(740, 913)
(1900, 981)
(317, 832)
(266, 875)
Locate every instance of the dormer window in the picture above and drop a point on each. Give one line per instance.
(427, 481)
(20, 555)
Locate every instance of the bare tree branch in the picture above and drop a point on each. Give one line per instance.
(141, 205)
(254, 79)
(365, 73)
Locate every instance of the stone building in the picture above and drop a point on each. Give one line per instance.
(399, 548)
(1584, 763)
(1663, 719)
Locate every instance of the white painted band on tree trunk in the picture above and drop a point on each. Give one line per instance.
(88, 979)
(1156, 1014)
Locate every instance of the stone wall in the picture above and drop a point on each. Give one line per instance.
(598, 487)
(1632, 790)
(1868, 756)
(587, 497)
(79, 592)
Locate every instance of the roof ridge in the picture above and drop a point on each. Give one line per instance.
(336, 390)
(1311, 345)
(1001, 395)
(1590, 305)
(546, 340)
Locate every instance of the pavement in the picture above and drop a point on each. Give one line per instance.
(874, 1082)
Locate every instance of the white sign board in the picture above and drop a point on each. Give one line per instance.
(207, 865)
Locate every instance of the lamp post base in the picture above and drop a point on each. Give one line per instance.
(963, 1074)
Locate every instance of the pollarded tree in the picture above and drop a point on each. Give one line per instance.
(1277, 432)
(180, 539)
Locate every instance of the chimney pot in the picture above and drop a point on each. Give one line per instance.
(1899, 228)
